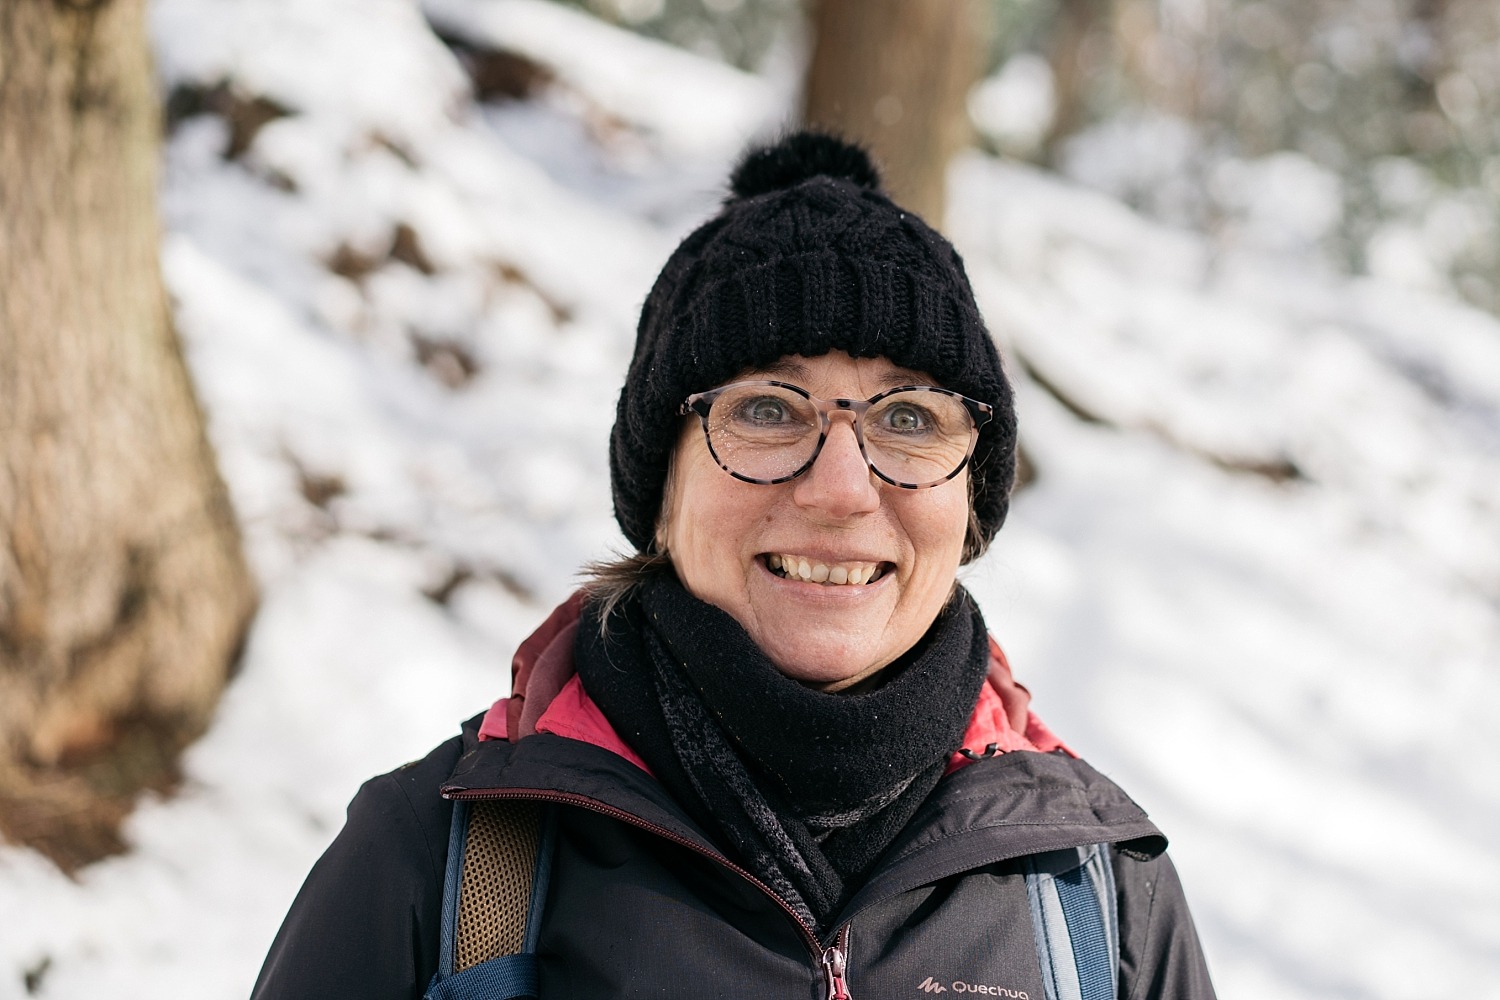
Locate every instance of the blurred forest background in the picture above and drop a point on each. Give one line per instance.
(1382, 117)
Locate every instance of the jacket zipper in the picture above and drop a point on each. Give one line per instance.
(835, 951)
(834, 959)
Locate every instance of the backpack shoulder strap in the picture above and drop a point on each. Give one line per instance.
(1075, 920)
(499, 860)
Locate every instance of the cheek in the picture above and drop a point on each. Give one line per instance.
(705, 520)
(937, 530)
(691, 548)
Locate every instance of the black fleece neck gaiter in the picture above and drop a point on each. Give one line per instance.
(807, 788)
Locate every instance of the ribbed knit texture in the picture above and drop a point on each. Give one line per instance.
(817, 264)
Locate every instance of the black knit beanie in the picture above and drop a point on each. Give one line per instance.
(806, 256)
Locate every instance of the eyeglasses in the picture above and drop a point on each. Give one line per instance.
(912, 436)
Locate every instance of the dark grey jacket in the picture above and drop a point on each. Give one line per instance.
(643, 904)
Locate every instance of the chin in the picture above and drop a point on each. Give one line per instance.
(833, 667)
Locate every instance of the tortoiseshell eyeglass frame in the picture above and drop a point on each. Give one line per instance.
(701, 403)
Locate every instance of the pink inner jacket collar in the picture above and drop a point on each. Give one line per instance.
(551, 699)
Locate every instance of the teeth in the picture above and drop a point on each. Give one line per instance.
(800, 568)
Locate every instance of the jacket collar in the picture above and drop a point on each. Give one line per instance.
(997, 809)
(548, 698)
(994, 805)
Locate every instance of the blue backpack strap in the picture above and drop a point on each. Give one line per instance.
(1074, 918)
(458, 832)
(508, 977)
(499, 864)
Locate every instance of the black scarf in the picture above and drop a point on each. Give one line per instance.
(807, 788)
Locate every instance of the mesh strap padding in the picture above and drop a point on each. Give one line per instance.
(495, 894)
(1086, 932)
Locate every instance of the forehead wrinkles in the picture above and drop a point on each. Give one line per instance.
(793, 370)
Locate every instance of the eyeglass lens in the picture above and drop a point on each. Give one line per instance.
(915, 437)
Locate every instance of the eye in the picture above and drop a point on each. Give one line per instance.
(764, 410)
(906, 418)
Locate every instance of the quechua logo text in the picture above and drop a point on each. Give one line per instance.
(930, 985)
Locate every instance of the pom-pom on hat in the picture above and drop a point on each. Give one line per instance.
(807, 255)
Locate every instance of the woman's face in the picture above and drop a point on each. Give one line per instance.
(722, 534)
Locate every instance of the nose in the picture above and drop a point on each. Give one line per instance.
(840, 482)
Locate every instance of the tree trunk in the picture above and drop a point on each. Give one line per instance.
(123, 592)
(1076, 22)
(895, 75)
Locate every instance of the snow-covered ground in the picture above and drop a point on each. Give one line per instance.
(1257, 578)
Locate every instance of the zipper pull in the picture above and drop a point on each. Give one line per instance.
(833, 968)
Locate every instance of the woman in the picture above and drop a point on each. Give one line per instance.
(785, 757)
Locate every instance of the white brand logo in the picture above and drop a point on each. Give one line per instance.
(930, 985)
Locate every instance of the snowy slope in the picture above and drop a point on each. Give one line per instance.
(1257, 578)
(1297, 678)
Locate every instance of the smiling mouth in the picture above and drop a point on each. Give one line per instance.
(791, 567)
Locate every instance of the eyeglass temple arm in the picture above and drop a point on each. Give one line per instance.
(980, 412)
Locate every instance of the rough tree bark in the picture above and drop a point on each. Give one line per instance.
(123, 592)
(895, 74)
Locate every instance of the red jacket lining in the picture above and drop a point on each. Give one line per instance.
(551, 699)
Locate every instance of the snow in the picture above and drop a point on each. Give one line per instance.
(1256, 579)
(1014, 107)
(634, 80)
